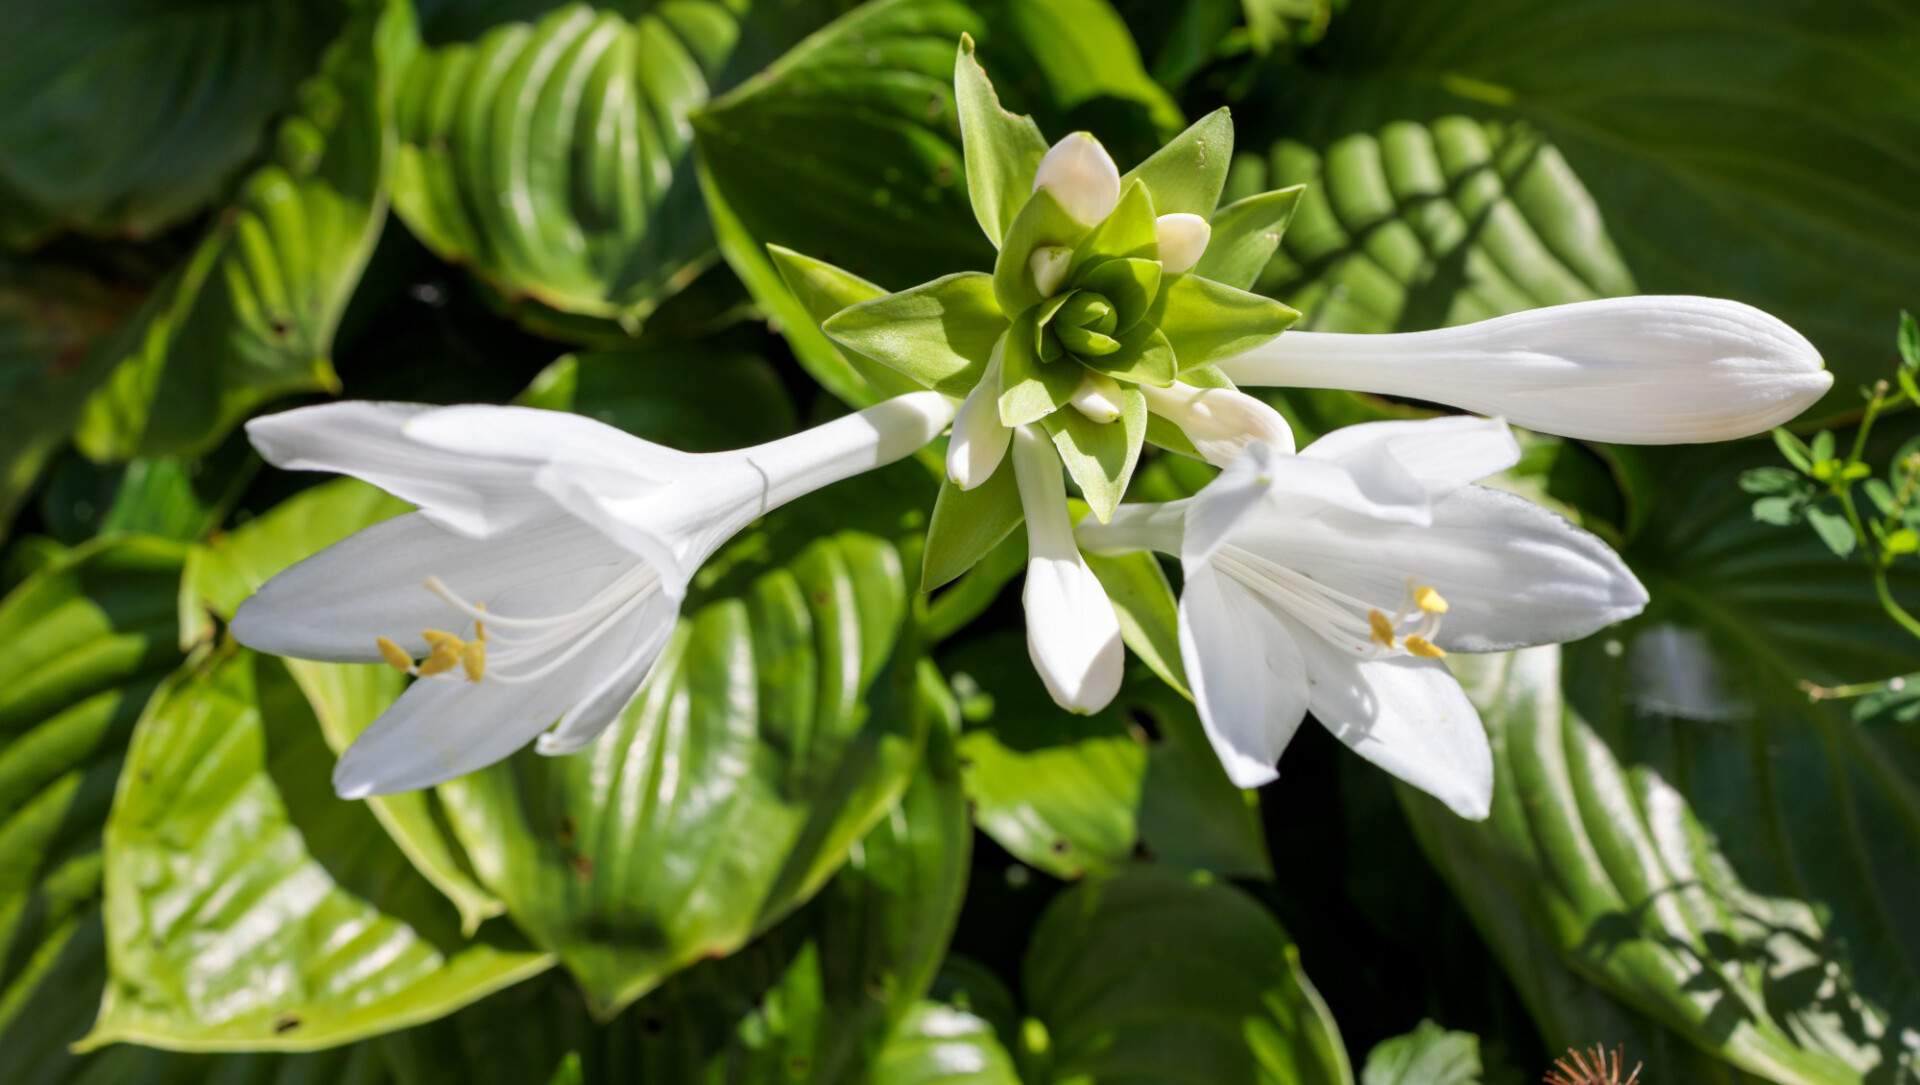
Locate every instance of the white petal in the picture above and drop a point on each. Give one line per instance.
(1219, 421)
(1073, 634)
(1182, 241)
(1644, 370)
(602, 704)
(979, 441)
(1513, 574)
(1248, 678)
(1407, 715)
(1099, 397)
(538, 436)
(1302, 487)
(475, 495)
(1448, 452)
(372, 584)
(1049, 264)
(1082, 176)
(1220, 508)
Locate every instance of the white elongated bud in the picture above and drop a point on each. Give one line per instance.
(1183, 240)
(1099, 397)
(1082, 176)
(1049, 265)
(1073, 634)
(1645, 370)
(1220, 422)
(979, 441)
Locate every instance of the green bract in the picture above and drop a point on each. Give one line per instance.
(1076, 315)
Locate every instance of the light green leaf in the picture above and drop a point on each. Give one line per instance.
(1031, 389)
(1130, 285)
(967, 524)
(1246, 233)
(939, 1044)
(1101, 455)
(780, 723)
(251, 315)
(1186, 175)
(1154, 975)
(228, 857)
(1149, 614)
(1072, 794)
(1040, 222)
(939, 333)
(1207, 321)
(1145, 356)
(668, 394)
(1002, 150)
(124, 119)
(1429, 1055)
(1128, 233)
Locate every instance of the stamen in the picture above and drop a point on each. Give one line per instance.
(396, 656)
(474, 658)
(480, 627)
(1424, 648)
(441, 661)
(1382, 628)
(546, 643)
(436, 637)
(1429, 600)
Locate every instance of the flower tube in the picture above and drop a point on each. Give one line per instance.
(1073, 634)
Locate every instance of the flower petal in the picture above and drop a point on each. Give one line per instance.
(1643, 370)
(1407, 715)
(646, 636)
(474, 495)
(332, 605)
(1446, 452)
(1220, 422)
(1082, 176)
(979, 441)
(535, 436)
(1249, 680)
(1073, 634)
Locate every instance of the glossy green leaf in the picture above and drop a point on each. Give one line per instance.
(668, 394)
(228, 857)
(966, 524)
(1087, 58)
(1040, 222)
(1031, 389)
(1002, 150)
(1101, 456)
(780, 723)
(1186, 176)
(940, 333)
(1206, 321)
(124, 118)
(1073, 794)
(251, 315)
(551, 157)
(1155, 975)
(1246, 234)
(938, 1044)
(1429, 1055)
(1667, 828)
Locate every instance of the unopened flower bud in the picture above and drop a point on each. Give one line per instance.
(1183, 239)
(1082, 176)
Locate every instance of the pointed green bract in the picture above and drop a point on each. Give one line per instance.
(1002, 149)
(1128, 233)
(1145, 357)
(822, 288)
(1101, 455)
(968, 523)
(1130, 284)
(1207, 321)
(939, 333)
(1245, 235)
(1186, 175)
(1041, 222)
(1031, 389)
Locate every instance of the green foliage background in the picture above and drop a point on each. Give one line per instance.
(923, 872)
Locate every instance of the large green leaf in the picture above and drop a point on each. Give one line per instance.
(88, 639)
(1742, 148)
(1683, 828)
(251, 315)
(1155, 975)
(249, 908)
(124, 117)
(939, 1044)
(779, 724)
(1429, 1055)
(668, 395)
(550, 156)
(1074, 794)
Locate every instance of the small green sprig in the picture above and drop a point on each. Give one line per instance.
(1818, 489)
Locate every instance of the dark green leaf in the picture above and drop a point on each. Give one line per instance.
(1909, 340)
(967, 524)
(1186, 176)
(669, 394)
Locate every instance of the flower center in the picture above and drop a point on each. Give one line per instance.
(1342, 619)
(513, 650)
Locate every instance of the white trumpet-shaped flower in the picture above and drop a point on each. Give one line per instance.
(1334, 581)
(1219, 422)
(1073, 634)
(1641, 370)
(1081, 175)
(542, 573)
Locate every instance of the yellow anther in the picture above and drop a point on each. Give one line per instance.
(1430, 601)
(1424, 648)
(1382, 628)
(396, 656)
(474, 658)
(480, 628)
(437, 637)
(441, 661)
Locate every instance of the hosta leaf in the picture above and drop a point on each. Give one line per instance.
(1690, 127)
(938, 1044)
(251, 315)
(1429, 1055)
(124, 118)
(1073, 794)
(1156, 975)
(551, 157)
(88, 639)
(778, 725)
(228, 857)
(1684, 828)
(666, 393)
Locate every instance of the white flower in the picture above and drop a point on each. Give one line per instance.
(1073, 634)
(1333, 582)
(1220, 422)
(540, 577)
(1182, 239)
(1082, 176)
(1643, 370)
